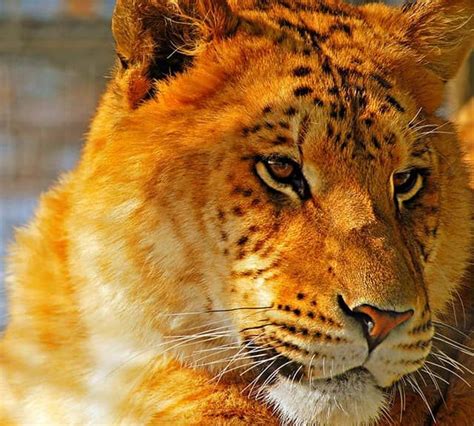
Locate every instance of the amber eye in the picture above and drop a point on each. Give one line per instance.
(281, 170)
(283, 175)
(406, 184)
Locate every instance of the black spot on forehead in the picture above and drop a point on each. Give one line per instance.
(368, 122)
(330, 130)
(340, 26)
(303, 91)
(326, 66)
(390, 138)
(255, 128)
(307, 34)
(280, 139)
(375, 142)
(318, 102)
(301, 71)
(269, 125)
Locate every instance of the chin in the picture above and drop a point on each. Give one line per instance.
(349, 399)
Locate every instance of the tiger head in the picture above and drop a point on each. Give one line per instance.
(270, 179)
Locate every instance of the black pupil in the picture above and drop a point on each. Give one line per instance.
(407, 181)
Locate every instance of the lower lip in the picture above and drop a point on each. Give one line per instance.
(345, 377)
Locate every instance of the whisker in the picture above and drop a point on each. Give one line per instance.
(454, 312)
(215, 352)
(246, 317)
(415, 117)
(432, 373)
(242, 358)
(462, 348)
(260, 362)
(211, 311)
(449, 370)
(232, 360)
(256, 379)
(432, 377)
(311, 371)
(223, 347)
(462, 307)
(256, 327)
(456, 364)
(422, 378)
(442, 324)
(270, 378)
(198, 335)
(416, 387)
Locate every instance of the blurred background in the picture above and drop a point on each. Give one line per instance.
(54, 60)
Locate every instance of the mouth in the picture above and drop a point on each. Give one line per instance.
(350, 397)
(271, 365)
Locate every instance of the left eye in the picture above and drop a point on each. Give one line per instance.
(406, 184)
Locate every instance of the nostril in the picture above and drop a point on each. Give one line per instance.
(343, 305)
(376, 323)
(361, 317)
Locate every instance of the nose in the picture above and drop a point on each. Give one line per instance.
(377, 323)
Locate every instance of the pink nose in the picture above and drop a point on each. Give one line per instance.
(378, 323)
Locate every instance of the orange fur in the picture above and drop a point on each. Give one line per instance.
(169, 255)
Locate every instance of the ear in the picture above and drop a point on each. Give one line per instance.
(431, 39)
(441, 32)
(156, 39)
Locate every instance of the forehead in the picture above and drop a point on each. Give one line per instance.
(320, 74)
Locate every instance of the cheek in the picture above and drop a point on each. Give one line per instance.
(423, 219)
(242, 215)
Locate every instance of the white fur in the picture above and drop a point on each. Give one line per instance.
(355, 400)
(113, 359)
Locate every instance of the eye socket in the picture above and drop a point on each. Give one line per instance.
(406, 184)
(284, 175)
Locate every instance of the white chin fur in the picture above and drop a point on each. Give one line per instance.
(355, 400)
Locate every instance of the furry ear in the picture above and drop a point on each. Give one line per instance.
(158, 38)
(431, 39)
(441, 32)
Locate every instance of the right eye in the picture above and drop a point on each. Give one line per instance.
(284, 175)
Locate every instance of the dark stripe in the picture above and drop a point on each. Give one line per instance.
(379, 79)
(392, 101)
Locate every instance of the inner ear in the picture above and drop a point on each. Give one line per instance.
(156, 39)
